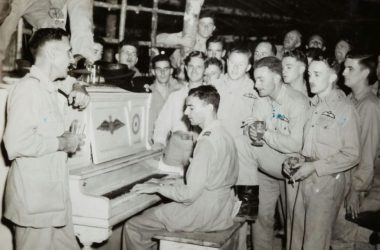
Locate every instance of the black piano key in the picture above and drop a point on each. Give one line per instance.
(125, 189)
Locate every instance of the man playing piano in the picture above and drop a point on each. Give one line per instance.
(37, 197)
(205, 201)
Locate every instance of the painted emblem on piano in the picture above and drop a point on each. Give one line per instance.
(111, 125)
(135, 124)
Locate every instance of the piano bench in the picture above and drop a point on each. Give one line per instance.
(219, 240)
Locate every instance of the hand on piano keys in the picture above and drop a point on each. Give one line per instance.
(146, 188)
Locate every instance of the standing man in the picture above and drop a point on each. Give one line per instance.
(163, 85)
(360, 74)
(213, 70)
(172, 129)
(292, 40)
(316, 41)
(37, 195)
(283, 110)
(264, 49)
(215, 47)
(128, 54)
(331, 147)
(206, 27)
(205, 202)
(294, 65)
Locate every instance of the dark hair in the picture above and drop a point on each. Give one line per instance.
(330, 62)
(208, 94)
(194, 53)
(160, 58)
(314, 52)
(207, 13)
(241, 50)
(273, 46)
(366, 61)
(214, 61)
(296, 54)
(215, 39)
(271, 62)
(42, 36)
(129, 42)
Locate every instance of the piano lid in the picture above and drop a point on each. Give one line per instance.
(115, 125)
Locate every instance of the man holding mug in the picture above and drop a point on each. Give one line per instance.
(282, 110)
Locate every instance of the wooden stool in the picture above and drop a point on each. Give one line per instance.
(222, 240)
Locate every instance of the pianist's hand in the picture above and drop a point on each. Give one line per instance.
(146, 188)
(79, 97)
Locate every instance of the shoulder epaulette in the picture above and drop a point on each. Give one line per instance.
(207, 133)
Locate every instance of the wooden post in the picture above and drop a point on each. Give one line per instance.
(123, 16)
(153, 33)
(190, 21)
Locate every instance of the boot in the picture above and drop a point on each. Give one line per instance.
(249, 196)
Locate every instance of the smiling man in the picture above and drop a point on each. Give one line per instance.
(206, 201)
(37, 195)
(283, 110)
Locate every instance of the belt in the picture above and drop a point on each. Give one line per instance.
(183, 135)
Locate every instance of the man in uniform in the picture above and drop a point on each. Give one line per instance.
(292, 40)
(360, 74)
(283, 110)
(264, 49)
(128, 54)
(171, 122)
(205, 202)
(163, 85)
(37, 195)
(294, 65)
(331, 147)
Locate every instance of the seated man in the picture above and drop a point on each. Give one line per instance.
(128, 54)
(206, 201)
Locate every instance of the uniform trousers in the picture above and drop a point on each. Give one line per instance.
(322, 198)
(47, 238)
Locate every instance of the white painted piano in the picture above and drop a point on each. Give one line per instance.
(115, 156)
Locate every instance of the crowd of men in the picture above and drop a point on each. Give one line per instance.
(276, 118)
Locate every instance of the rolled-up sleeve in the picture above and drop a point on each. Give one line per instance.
(21, 136)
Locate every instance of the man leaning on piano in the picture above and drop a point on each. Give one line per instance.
(37, 193)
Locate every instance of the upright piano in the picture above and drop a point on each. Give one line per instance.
(116, 155)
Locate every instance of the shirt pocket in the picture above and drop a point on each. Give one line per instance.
(327, 131)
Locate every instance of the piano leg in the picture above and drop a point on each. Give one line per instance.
(89, 235)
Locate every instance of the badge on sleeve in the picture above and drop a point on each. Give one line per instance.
(207, 133)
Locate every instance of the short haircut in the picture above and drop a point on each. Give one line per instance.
(194, 53)
(241, 50)
(329, 61)
(214, 61)
(160, 58)
(208, 94)
(273, 46)
(296, 54)
(271, 62)
(316, 35)
(42, 36)
(366, 61)
(129, 42)
(215, 39)
(348, 41)
(207, 13)
(297, 32)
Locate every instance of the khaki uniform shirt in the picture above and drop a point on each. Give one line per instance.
(332, 134)
(368, 107)
(172, 118)
(236, 102)
(206, 201)
(158, 100)
(37, 187)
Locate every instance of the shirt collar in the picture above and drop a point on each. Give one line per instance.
(332, 98)
(281, 96)
(360, 96)
(35, 72)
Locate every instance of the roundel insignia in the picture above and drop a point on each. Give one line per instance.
(136, 124)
